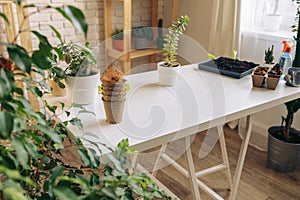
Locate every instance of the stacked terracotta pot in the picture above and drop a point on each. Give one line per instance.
(113, 94)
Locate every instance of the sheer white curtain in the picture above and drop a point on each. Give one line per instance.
(265, 23)
(259, 31)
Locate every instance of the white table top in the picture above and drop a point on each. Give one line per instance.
(156, 114)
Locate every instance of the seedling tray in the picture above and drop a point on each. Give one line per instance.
(228, 67)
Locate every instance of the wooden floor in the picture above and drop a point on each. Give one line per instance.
(257, 182)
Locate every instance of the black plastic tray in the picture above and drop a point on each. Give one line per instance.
(211, 66)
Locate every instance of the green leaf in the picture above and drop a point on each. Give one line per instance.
(21, 152)
(47, 130)
(56, 172)
(14, 193)
(6, 124)
(64, 193)
(123, 144)
(57, 34)
(109, 192)
(20, 56)
(41, 59)
(4, 17)
(31, 149)
(76, 17)
(76, 122)
(44, 44)
(84, 156)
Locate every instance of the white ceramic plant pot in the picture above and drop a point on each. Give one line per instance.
(167, 75)
(83, 90)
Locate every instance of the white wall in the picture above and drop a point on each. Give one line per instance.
(196, 39)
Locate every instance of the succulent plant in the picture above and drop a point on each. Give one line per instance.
(171, 40)
(269, 57)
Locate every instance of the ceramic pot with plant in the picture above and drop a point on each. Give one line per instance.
(82, 76)
(293, 76)
(113, 93)
(118, 39)
(284, 142)
(169, 68)
(269, 57)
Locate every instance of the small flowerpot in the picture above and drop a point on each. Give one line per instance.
(119, 86)
(118, 44)
(83, 89)
(258, 76)
(273, 77)
(167, 75)
(114, 95)
(113, 111)
(56, 90)
(272, 83)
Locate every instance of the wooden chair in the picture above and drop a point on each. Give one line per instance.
(22, 22)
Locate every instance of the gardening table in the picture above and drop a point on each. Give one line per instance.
(155, 115)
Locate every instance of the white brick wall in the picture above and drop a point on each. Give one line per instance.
(94, 12)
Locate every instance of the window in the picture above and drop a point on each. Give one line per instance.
(265, 23)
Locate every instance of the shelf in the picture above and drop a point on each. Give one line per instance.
(133, 54)
(126, 55)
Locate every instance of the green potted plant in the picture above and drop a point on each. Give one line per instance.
(142, 37)
(82, 75)
(31, 166)
(168, 69)
(284, 142)
(269, 57)
(117, 38)
(292, 78)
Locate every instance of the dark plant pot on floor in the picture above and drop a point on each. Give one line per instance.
(282, 156)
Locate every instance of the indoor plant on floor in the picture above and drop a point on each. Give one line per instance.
(169, 68)
(292, 78)
(82, 75)
(29, 140)
(284, 142)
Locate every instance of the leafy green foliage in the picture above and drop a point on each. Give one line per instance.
(117, 33)
(79, 58)
(171, 40)
(292, 107)
(32, 143)
(295, 28)
(142, 32)
(269, 56)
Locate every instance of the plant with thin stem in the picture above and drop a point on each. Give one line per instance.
(171, 40)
